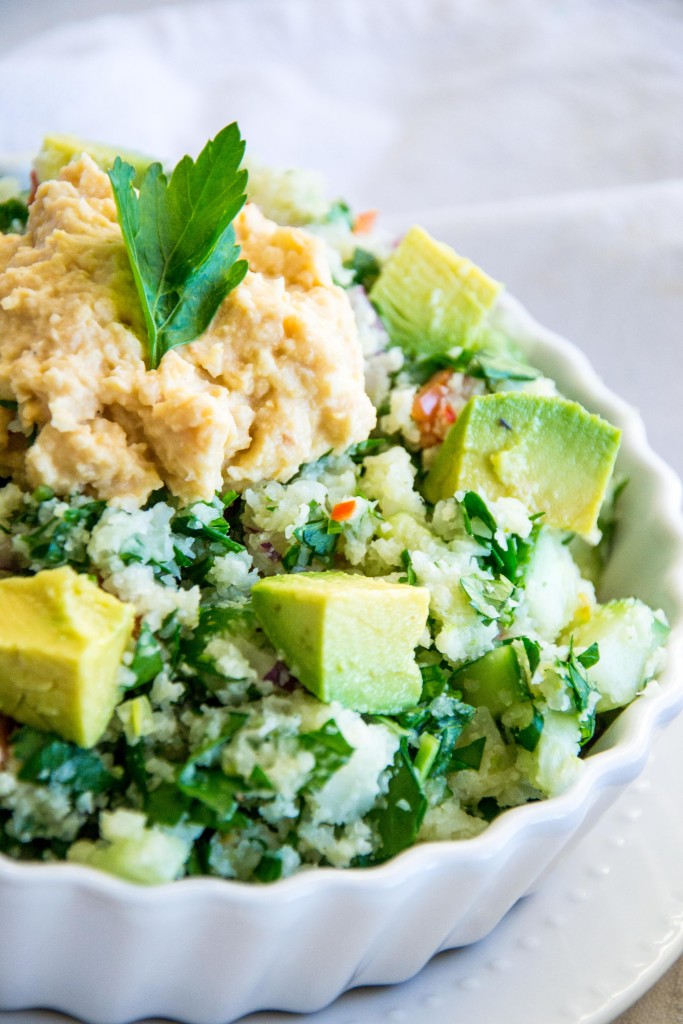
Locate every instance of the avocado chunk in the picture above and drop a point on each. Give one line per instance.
(494, 681)
(627, 633)
(59, 150)
(430, 298)
(548, 452)
(347, 638)
(61, 641)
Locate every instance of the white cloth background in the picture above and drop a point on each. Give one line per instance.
(544, 140)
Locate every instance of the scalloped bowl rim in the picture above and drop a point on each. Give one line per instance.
(615, 765)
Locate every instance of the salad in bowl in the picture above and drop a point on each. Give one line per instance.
(303, 547)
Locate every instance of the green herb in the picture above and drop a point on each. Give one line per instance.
(259, 780)
(269, 868)
(448, 736)
(166, 805)
(492, 367)
(410, 576)
(373, 445)
(170, 633)
(468, 757)
(365, 266)
(188, 523)
(441, 715)
(581, 691)
(42, 493)
(339, 213)
(48, 759)
(330, 749)
(180, 238)
(148, 659)
(528, 656)
(529, 736)
(435, 681)
(397, 818)
(208, 784)
(317, 539)
(532, 652)
(13, 215)
(61, 540)
(216, 620)
(489, 808)
(9, 403)
(495, 368)
(133, 756)
(490, 598)
(509, 556)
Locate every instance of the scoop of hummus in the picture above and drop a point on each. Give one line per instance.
(275, 381)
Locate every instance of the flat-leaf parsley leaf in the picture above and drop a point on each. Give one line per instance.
(180, 238)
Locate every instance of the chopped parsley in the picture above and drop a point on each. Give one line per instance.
(180, 238)
(13, 216)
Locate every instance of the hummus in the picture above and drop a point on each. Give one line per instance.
(275, 381)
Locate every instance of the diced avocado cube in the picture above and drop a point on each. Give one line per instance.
(347, 638)
(61, 642)
(430, 298)
(493, 681)
(59, 150)
(548, 452)
(627, 633)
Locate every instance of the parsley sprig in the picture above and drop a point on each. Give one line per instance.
(180, 238)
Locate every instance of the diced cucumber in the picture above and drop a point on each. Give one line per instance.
(494, 681)
(426, 755)
(627, 633)
(554, 763)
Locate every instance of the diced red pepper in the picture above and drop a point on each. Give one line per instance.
(34, 188)
(432, 409)
(343, 510)
(364, 222)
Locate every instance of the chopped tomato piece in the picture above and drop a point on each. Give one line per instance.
(364, 222)
(437, 404)
(431, 410)
(343, 510)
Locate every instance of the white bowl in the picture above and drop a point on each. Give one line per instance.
(206, 950)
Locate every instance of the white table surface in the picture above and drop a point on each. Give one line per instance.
(654, 385)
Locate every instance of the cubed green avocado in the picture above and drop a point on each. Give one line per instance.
(347, 638)
(59, 150)
(493, 681)
(430, 298)
(61, 642)
(548, 452)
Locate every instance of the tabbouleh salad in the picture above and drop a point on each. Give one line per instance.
(237, 742)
